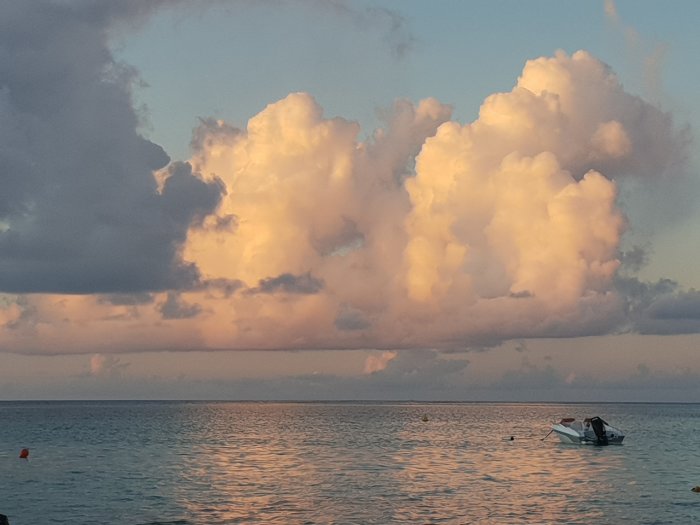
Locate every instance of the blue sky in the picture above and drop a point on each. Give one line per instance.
(292, 250)
(242, 56)
(356, 58)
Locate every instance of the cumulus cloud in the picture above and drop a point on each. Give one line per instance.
(294, 232)
(433, 233)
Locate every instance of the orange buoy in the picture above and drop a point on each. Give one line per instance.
(24, 454)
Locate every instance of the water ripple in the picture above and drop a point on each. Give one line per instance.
(264, 463)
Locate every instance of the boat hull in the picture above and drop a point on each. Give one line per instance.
(574, 436)
(567, 435)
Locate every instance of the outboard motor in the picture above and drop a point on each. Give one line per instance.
(599, 429)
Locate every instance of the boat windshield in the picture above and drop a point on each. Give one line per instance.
(572, 423)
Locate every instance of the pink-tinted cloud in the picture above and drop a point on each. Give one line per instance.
(301, 234)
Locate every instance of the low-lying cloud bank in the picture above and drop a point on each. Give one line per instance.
(293, 233)
(411, 375)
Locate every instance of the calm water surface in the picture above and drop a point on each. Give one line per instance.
(322, 463)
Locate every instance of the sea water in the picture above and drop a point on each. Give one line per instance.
(343, 463)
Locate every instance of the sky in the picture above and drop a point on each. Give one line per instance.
(312, 200)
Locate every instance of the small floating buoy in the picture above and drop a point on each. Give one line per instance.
(696, 488)
(425, 418)
(24, 453)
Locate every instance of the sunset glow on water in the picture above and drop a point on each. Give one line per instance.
(258, 463)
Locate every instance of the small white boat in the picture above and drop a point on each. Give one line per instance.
(590, 431)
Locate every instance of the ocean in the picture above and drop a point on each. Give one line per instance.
(183, 463)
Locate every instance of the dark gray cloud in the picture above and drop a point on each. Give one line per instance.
(222, 287)
(660, 308)
(396, 33)
(634, 259)
(347, 238)
(639, 294)
(524, 294)
(305, 284)
(80, 211)
(209, 131)
(187, 198)
(351, 319)
(685, 305)
(175, 308)
(127, 299)
(677, 313)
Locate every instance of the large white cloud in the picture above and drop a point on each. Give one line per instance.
(509, 226)
(295, 233)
